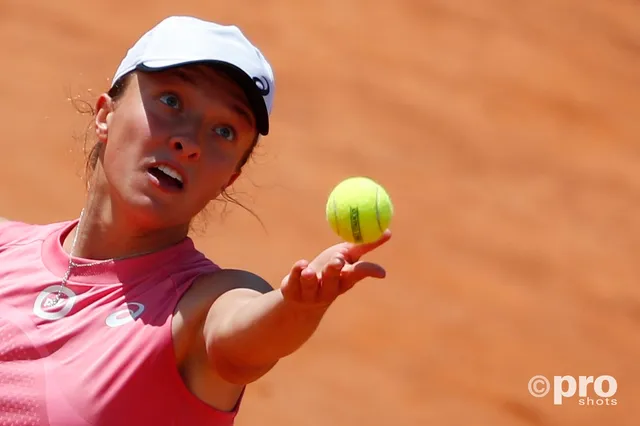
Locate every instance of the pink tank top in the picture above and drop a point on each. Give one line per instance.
(103, 355)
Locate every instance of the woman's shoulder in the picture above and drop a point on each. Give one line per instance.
(20, 232)
(208, 287)
(212, 285)
(5, 222)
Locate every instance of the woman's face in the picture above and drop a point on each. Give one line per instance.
(173, 142)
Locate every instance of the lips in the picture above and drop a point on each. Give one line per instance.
(169, 177)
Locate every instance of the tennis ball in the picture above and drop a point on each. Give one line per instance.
(359, 210)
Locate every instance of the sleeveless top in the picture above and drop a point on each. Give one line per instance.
(103, 355)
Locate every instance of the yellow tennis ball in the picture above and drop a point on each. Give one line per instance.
(359, 210)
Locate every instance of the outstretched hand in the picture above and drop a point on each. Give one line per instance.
(332, 273)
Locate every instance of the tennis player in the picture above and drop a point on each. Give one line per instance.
(115, 318)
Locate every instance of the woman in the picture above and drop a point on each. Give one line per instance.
(115, 318)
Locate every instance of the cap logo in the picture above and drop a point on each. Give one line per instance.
(263, 85)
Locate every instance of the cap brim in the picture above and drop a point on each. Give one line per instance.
(244, 80)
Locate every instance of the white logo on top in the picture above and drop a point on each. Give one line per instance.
(47, 305)
(125, 315)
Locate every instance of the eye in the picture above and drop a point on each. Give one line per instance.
(171, 100)
(226, 132)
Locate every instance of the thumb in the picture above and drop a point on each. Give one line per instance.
(355, 251)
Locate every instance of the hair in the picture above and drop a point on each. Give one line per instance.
(92, 156)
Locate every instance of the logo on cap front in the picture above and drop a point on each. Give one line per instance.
(263, 85)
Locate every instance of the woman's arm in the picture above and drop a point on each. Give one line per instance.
(249, 329)
(247, 332)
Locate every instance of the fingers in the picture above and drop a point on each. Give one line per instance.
(291, 283)
(330, 284)
(308, 285)
(352, 274)
(311, 284)
(354, 252)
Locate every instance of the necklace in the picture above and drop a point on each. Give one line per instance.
(72, 265)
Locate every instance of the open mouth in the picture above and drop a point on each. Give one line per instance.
(167, 177)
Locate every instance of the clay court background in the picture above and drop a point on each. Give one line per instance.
(508, 135)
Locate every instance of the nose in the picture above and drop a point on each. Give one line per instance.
(186, 148)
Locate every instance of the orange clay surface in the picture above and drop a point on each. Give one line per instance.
(507, 134)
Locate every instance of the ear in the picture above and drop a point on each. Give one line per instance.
(104, 108)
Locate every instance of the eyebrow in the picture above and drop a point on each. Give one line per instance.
(236, 106)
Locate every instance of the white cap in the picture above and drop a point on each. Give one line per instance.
(181, 40)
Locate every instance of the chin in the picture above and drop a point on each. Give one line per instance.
(151, 212)
(152, 207)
